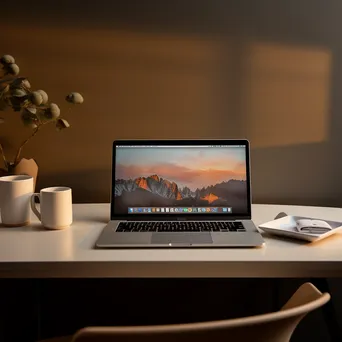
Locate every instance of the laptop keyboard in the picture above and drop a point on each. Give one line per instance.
(183, 226)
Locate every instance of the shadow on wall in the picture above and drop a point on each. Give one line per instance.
(88, 186)
(299, 174)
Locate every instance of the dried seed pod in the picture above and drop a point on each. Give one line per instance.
(31, 109)
(44, 96)
(75, 98)
(11, 69)
(62, 124)
(21, 82)
(52, 112)
(7, 59)
(36, 98)
(18, 92)
(27, 117)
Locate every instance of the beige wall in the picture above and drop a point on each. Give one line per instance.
(215, 70)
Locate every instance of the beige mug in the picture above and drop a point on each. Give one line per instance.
(55, 207)
(15, 193)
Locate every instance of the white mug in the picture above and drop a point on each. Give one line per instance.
(55, 207)
(15, 193)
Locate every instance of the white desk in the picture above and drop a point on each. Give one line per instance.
(34, 252)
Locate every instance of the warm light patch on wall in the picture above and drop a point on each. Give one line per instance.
(285, 94)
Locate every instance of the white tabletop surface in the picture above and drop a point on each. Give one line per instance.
(34, 252)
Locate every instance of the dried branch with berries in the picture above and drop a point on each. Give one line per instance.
(35, 111)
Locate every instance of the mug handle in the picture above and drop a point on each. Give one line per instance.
(33, 205)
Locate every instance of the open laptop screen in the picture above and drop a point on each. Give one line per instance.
(181, 179)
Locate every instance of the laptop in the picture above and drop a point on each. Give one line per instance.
(180, 193)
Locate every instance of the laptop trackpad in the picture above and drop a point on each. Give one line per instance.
(181, 238)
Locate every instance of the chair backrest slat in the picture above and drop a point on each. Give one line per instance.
(272, 327)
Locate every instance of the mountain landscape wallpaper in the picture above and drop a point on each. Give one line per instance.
(183, 177)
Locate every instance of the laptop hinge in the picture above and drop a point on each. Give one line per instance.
(173, 218)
